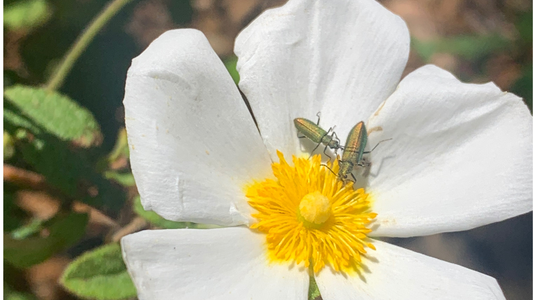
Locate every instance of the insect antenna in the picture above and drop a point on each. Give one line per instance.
(366, 152)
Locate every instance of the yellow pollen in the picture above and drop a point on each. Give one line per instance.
(310, 217)
(315, 208)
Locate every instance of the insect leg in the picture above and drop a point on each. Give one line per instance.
(321, 139)
(326, 147)
(328, 168)
(364, 163)
(336, 138)
(366, 152)
(354, 180)
(317, 145)
(326, 154)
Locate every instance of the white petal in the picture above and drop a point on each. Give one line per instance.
(459, 158)
(342, 59)
(226, 263)
(193, 143)
(392, 272)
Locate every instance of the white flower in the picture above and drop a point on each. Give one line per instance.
(459, 157)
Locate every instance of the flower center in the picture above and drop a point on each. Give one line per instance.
(315, 209)
(310, 216)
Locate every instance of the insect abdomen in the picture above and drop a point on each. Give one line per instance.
(310, 130)
(355, 144)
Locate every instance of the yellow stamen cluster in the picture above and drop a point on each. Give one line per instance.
(309, 216)
(314, 209)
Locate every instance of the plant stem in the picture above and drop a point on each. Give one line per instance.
(82, 42)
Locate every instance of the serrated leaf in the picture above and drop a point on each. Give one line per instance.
(55, 113)
(63, 231)
(154, 218)
(99, 274)
(26, 14)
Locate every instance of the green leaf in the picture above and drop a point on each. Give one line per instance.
(231, 65)
(13, 215)
(99, 274)
(55, 113)
(470, 47)
(9, 147)
(63, 231)
(27, 230)
(154, 218)
(69, 169)
(16, 121)
(26, 14)
(313, 293)
(522, 87)
(524, 24)
(125, 179)
(10, 294)
(120, 150)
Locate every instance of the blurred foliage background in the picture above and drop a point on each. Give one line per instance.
(68, 192)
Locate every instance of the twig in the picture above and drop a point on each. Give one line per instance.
(24, 178)
(82, 42)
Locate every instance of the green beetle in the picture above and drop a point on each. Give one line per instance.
(318, 135)
(354, 150)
